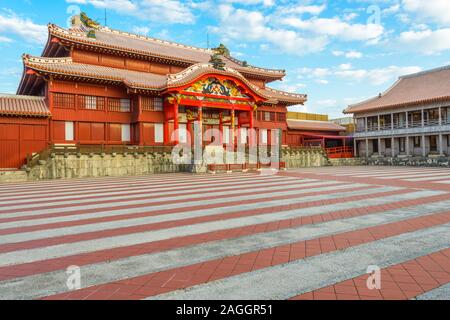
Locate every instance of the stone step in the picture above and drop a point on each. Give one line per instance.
(13, 175)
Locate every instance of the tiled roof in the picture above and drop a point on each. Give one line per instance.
(23, 106)
(424, 87)
(150, 81)
(65, 66)
(308, 125)
(291, 98)
(138, 44)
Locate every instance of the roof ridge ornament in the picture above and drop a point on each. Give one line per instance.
(222, 50)
(217, 62)
(88, 22)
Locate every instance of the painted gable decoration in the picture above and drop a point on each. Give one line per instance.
(214, 86)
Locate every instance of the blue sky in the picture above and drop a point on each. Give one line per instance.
(337, 52)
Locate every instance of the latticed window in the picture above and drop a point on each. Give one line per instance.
(91, 103)
(281, 117)
(152, 104)
(64, 100)
(267, 116)
(119, 105)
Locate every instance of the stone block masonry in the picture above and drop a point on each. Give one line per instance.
(408, 161)
(103, 165)
(92, 165)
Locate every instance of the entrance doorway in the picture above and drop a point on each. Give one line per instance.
(433, 144)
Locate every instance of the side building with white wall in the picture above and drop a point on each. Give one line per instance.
(409, 120)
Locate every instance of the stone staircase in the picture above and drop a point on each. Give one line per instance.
(13, 176)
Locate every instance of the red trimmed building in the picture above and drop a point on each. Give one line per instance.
(98, 86)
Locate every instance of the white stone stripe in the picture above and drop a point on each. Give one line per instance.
(441, 293)
(384, 170)
(315, 187)
(129, 196)
(413, 176)
(432, 179)
(291, 279)
(215, 207)
(390, 175)
(118, 183)
(99, 226)
(147, 205)
(82, 192)
(363, 174)
(62, 250)
(140, 189)
(37, 286)
(124, 179)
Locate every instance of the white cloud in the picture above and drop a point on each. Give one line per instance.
(349, 54)
(299, 10)
(322, 81)
(234, 21)
(266, 3)
(345, 66)
(435, 10)
(353, 55)
(377, 76)
(141, 30)
(336, 28)
(425, 41)
(326, 103)
(167, 11)
(25, 28)
(5, 39)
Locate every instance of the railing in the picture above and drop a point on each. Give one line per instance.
(339, 152)
(245, 166)
(404, 125)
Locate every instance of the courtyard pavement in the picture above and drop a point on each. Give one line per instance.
(301, 234)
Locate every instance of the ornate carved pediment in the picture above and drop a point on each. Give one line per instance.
(214, 86)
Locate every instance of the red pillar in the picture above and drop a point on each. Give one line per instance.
(221, 128)
(251, 125)
(140, 124)
(200, 121)
(233, 134)
(175, 122)
(166, 123)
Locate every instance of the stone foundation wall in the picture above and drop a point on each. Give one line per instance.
(70, 166)
(302, 158)
(345, 162)
(103, 165)
(408, 161)
(13, 176)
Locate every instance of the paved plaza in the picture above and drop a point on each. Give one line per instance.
(301, 234)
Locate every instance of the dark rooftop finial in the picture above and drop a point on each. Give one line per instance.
(217, 61)
(222, 50)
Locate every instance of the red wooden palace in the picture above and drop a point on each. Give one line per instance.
(94, 85)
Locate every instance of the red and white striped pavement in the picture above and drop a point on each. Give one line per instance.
(301, 234)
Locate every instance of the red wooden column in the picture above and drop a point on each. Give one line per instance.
(176, 124)
(251, 125)
(50, 135)
(232, 127)
(200, 123)
(221, 128)
(140, 124)
(166, 125)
